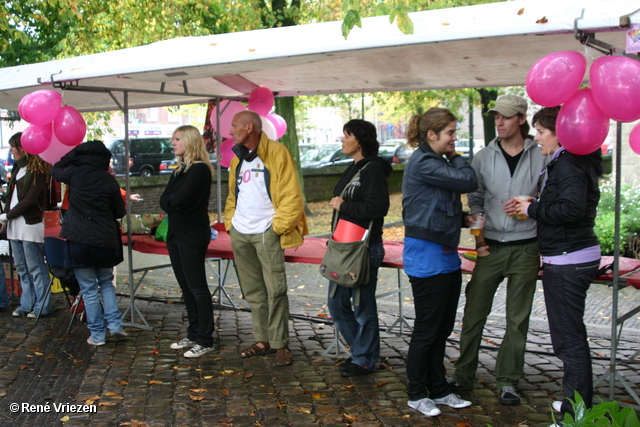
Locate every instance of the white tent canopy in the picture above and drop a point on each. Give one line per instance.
(490, 45)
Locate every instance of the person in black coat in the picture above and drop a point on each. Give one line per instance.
(92, 233)
(366, 199)
(566, 213)
(186, 201)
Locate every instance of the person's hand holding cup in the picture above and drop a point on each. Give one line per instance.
(521, 205)
(508, 204)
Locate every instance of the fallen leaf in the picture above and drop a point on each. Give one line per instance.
(229, 371)
(446, 23)
(348, 386)
(196, 398)
(226, 392)
(521, 11)
(107, 404)
(123, 382)
(319, 396)
(542, 20)
(381, 383)
(322, 315)
(155, 382)
(247, 376)
(197, 390)
(155, 352)
(111, 393)
(65, 418)
(37, 353)
(305, 410)
(317, 361)
(349, 418)
(209, 377)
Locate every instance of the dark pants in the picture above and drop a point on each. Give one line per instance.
(188, 262)
(565, 290)
(436, 301)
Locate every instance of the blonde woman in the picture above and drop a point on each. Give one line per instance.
(25, 229)
(186, 201)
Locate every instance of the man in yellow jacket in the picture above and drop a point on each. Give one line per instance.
(264, 215)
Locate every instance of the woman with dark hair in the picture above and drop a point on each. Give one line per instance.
(25, 202)
(366, 199)
(186, 201)
(566, 213)
(92, 233)
(434, 179)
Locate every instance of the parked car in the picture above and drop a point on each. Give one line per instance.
(304, 147)
(607, 146)
(322, 156)
(462, 147)
(168, 166)
(396, 151)
(145, 155)
(6, 162)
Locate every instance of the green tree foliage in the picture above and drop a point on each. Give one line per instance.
(33, 31)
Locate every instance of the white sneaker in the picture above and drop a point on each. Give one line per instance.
(426, 406)
(452, 400)
(95, 343)
(183, 343)
(557, 405)
(31, 315)
(197, 351)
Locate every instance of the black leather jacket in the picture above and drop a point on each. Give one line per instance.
(568, 204)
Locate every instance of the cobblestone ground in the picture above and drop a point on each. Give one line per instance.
(138, 380)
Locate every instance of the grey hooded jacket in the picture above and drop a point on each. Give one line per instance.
(496, 186)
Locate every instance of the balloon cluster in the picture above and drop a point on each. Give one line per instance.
(261, 101)
(54, 130)
(583, 120)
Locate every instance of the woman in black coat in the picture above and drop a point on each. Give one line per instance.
(186, 201)
(566, 213)
(92, 232)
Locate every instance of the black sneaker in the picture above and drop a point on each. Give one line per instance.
(345, 362)
(509, 395)
(353, 370)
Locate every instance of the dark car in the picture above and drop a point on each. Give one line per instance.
(395, 151)
(168, 166)
(322, 156)
(145, 155)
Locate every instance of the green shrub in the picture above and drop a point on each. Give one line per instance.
(604, 414)
(629, 215)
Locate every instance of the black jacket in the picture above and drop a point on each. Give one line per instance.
(369, 199)
(95, 202)
(186, 200)
(566, 210)
(431, 189)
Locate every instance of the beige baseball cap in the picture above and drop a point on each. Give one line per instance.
(510, 105)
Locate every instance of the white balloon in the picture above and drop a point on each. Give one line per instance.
(268, 128)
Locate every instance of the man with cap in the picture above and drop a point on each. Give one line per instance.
(508, 167)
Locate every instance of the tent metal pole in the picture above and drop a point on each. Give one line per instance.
(616, 266)
(218, 159)
(132, 310)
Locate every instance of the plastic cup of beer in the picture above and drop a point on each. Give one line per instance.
(526, 198)
(477, 224)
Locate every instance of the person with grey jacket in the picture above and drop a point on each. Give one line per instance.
(508, 167)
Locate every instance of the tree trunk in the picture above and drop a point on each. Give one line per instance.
(486, 97)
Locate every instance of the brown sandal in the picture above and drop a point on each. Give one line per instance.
(284, 357)
(257, 349)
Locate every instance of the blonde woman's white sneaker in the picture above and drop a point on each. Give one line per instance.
(452, 400)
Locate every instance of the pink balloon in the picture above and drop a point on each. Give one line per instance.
(40, 107)
(279, 123)
(615, 82)
(55, 151)
(581, 126)
(226, 152)
(36, 138)
(69, 126)
(261, 100)
(268, 128)
(231, 108)
(634, 139)
(555, 78)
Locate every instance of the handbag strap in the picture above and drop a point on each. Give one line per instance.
(334, 219)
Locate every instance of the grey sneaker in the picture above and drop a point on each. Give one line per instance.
(426, 406)
(509, 395)
(197, 351)
(183, 343)
(452, 400)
